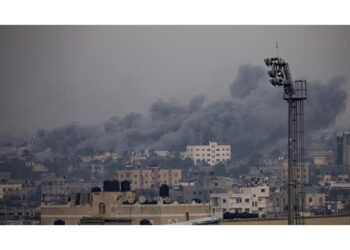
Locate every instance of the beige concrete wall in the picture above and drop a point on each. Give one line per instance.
(115, 209)
(314, 220)
(70, 215)
(145, 178)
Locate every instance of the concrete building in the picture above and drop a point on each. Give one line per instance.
(312, 201)
(252, 200)
(301, 173)
(4, 177)
(320, 160)
(57, 190)
(150, 177)
(19, 216)
(343, 219)
(4, 188)
(37, 167)
(100, 157)
(211, 154)
(343, 149)
(120, 208)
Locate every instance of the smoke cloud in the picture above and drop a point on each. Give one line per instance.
(252, 120)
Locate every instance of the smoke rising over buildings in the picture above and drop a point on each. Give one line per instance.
(253, 120)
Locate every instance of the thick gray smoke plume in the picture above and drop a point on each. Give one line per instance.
(253, 120)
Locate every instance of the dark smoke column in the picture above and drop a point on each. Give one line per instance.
(294, 94)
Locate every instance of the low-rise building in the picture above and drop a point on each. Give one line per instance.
(310, 201)
(301, 172)
(37, 167)
(4, 188)
(120, 208)
(4, 177)
(253, 200)
(57, 190)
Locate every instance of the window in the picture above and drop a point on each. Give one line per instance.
(320, 200)
(224, 200)
(101, 208)
(217, 154)
(262, 190)
(59, 222)
(217, 149)
(238, 200)
(246, 200)
(310, 199)
(246, 210)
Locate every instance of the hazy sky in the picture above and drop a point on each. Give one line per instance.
(52, 75)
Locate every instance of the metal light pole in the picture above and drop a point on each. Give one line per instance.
(294, 94)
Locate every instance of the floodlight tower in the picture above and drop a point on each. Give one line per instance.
(294, 94)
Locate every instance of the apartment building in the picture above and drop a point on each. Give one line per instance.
(254, 200)
(211, 153)
(150, 177)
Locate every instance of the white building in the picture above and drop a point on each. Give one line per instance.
(212, 153)
(253, 200)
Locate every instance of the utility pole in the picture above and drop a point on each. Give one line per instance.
(294, 94)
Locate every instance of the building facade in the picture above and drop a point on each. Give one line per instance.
(211, 154)
(120, 208)
(150, 177)
(253, 200)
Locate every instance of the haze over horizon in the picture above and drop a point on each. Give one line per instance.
(53, 75)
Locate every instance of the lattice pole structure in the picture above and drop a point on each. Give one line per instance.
(294, 93)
